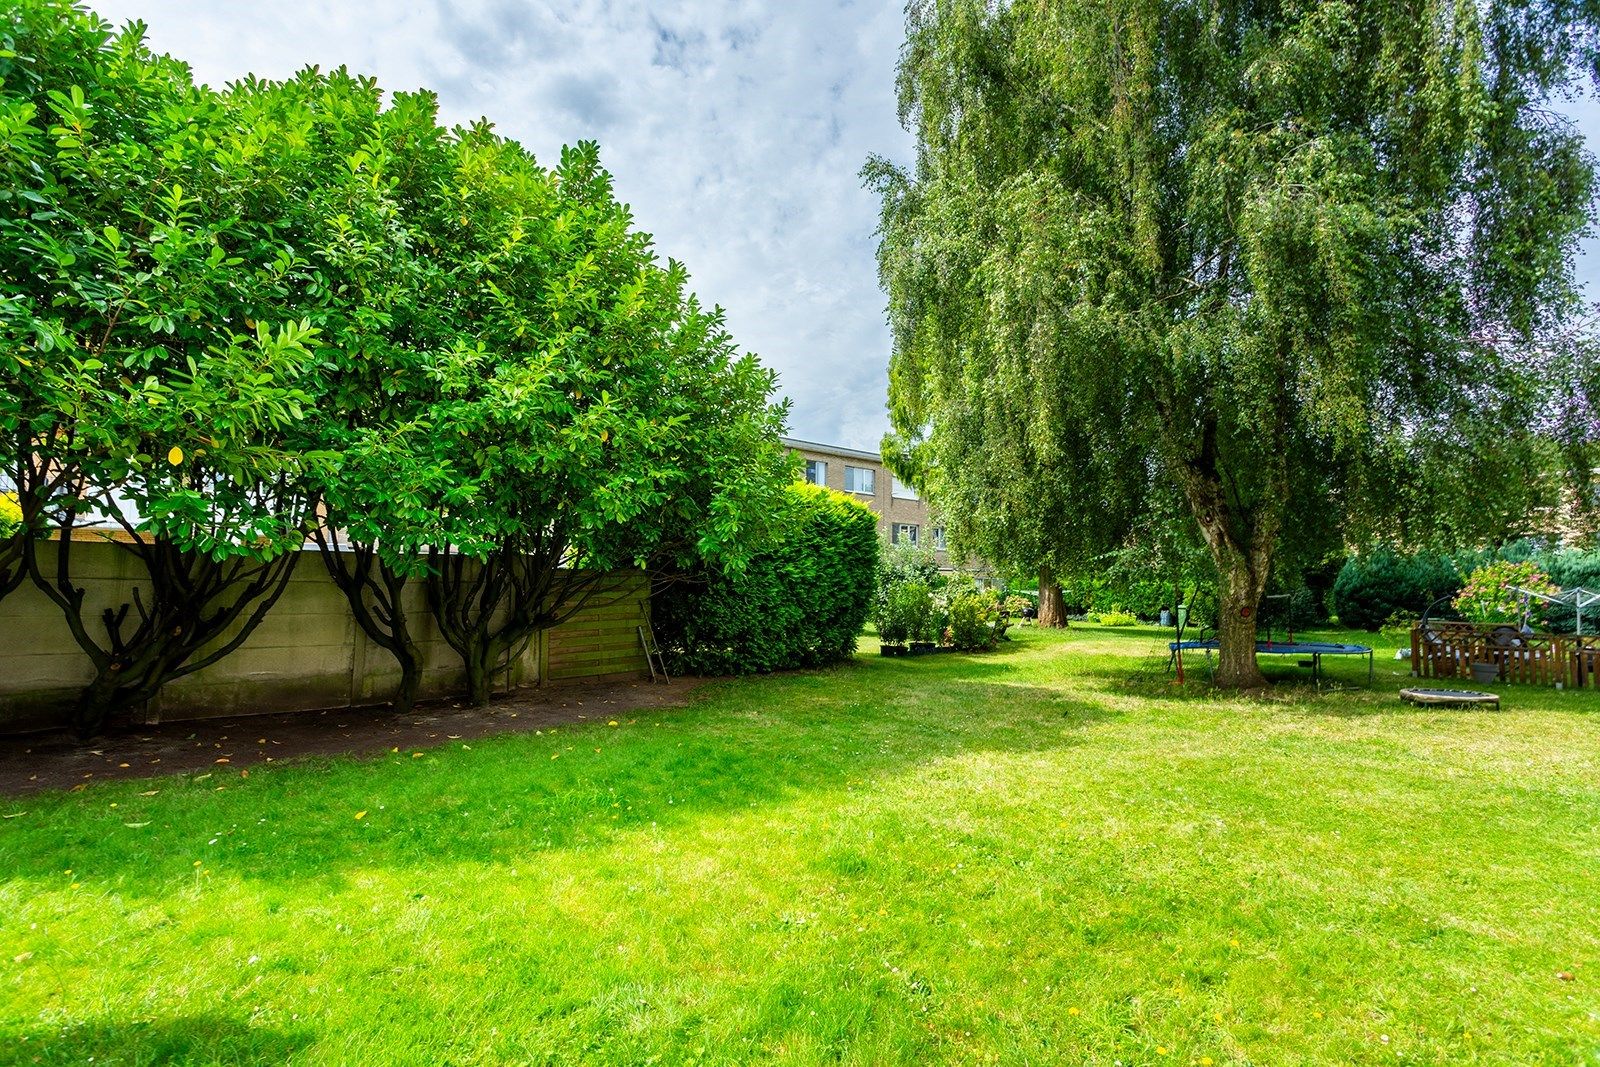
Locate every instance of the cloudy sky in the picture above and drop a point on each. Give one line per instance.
(735, 129)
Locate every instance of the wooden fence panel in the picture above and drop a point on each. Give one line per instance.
(1450, 649)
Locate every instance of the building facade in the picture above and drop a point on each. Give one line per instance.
(903, 516)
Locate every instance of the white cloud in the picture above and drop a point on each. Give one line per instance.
(735, 129)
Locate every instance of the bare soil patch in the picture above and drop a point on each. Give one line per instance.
(59, 761)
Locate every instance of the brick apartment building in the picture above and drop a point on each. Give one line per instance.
(903, 516)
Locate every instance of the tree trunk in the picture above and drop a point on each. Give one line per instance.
(1052, 609)
(1236, 630)
(480, 673)
(410, 681)
(96, 703)
(1242, 539)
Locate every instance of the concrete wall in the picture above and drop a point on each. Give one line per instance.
(307, 653)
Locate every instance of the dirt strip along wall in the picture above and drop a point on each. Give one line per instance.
(308, 652)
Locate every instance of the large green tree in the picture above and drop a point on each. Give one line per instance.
(150, 369)
(1298, 263)
(232, 320)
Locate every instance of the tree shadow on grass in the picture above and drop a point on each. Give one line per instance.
(745, 744)
(191, 1039)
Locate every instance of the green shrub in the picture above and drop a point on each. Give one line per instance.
(903, 597)
(1400, 623)
(801, 603)
(1297, 608)
(924, 620)
(1372, 587)
(905, 612)
(1017, 604)
(1570, 569)
(10, 515)
(1115, 617)
(974, 616)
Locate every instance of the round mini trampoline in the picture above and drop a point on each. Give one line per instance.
(1314, 649)
(1451, 698)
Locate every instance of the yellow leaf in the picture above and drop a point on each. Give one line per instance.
(361, 815)
(175, 456)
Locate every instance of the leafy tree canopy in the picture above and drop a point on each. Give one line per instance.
(1303, 267)
(232, 319)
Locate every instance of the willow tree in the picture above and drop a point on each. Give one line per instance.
(1276, 258)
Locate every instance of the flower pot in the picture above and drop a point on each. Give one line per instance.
(1485, 672)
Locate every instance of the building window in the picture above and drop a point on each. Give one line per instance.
(817, 471)
(903, 533)
(938, 538)
(859, 480)
(904, 491)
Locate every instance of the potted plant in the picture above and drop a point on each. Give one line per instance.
(922, 622)
(891, 620)
(1484, 673)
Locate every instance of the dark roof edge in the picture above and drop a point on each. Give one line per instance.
(837, 450)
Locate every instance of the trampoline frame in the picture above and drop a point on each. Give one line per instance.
(1315, 649)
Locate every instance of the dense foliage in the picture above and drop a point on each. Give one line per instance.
(232, 320)
(903, 607)
(916, 603)
(799, 603)
(1277, 275)
(1384, 585)
(1373, 586)
(974, 620)
(1498, 592)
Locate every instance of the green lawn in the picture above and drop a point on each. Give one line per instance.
(1047, 854)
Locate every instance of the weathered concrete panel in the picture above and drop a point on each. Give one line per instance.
(307, 653)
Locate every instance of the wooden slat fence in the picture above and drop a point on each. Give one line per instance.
(1449, 649)
(601, 643)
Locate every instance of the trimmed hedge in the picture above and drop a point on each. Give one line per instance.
(801, 603)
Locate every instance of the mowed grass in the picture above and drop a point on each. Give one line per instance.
(1048, 854)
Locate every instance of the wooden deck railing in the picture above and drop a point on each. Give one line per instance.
(1449, 649)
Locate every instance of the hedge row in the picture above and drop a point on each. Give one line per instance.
(801, 603)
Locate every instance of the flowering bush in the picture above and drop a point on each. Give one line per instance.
(1018, 605)
(974, 620)
(1489, 595)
